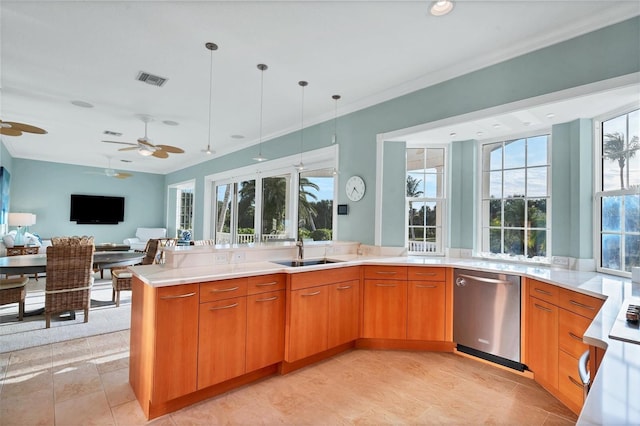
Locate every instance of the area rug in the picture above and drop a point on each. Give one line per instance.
(104, 317)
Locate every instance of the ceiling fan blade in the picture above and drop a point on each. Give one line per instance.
(122, 143)
(26, 127)
(171, 149)
(131, 148)
(160, 154)
(145, 142)
(9, 131)
(122, 175)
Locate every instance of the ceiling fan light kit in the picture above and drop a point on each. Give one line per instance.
(145, 147)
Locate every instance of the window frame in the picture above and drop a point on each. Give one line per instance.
(441, 201)
(479, 247)
(599, 193)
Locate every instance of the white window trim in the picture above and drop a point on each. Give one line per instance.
(597, 186)
(316, 159)
(479, 195)
(187, 184)
(443, 200)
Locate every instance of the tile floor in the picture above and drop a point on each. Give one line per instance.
(85, 381)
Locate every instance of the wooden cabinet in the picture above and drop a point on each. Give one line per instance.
(265, 329)
(557, 320)
(344, 312)
(323, 311)
(222, 341)
(405, 303)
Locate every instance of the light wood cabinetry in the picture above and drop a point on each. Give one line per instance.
(408, 303)
(265, 329)
(322, 312)
(557, 320)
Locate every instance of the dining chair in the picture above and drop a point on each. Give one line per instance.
(14, 290)
(121, 277)
(69, 279)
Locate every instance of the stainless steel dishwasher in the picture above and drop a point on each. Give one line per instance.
(486, 316)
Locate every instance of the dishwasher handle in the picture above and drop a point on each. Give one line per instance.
(585, 376)
(460, 280)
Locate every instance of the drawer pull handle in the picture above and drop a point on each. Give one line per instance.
(427, 274)
(573, 336)
(268, 299)
(315, 293)
(581, 305)
(217, 308)
(266, 284)
(344, 287)
(179, 296)
(385, 285)
(548, 293)
(575, 382)
(426, 286)
(541, 307)
(222, 290)
(386, 272)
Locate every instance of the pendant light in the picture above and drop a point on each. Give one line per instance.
(211, 47)
(335, 126)
(300, 166)
(262, 68)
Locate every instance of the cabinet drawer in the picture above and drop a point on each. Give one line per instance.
(571, 328)
(579, 303)
(416, 273)
(569, 382)
(225, 289)
(327, 276)
(544, 291)
(264, 283)
(385, 272)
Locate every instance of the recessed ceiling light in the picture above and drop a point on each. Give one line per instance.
(237, 136)
(452, 134)
(496, 126)
(480, 133)
(82, 104)
(527, 123)
(551, 115)
(170, 123)
(441, 7)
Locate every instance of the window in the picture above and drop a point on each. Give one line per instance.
(425, 200)
(618, 194)
(315, 205)
(185, 218)
(235, 207)
(515, 197)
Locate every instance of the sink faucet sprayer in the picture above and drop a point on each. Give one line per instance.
(300, 245)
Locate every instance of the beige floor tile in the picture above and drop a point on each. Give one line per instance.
(74, 381)
(539, 398)
(130, 414)
(554, 420)
(34, 408)
(117, 388)
(87, 409)
(18, 383)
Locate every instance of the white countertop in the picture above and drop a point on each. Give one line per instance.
(615, 393)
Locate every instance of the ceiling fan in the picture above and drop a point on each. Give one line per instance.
(109, 172)
(146, 148)
(12, 128)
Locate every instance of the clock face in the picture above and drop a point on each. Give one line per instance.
(355, 188)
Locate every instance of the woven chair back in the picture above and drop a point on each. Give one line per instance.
(69, 279)
(72, 241)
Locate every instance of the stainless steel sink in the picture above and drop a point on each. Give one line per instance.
(310, 262)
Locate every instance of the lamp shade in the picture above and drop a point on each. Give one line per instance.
(22, 219)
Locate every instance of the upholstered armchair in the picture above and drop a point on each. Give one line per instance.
(69, 276)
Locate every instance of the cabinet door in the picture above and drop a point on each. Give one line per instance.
(176, 351)
(542, 332)
(569, 383)
(265, 329)
(426, 310)
(385, 309)
(221, 349)
(308, 322)
(344, 312)
(571, 328)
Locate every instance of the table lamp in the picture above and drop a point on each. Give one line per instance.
(21, 220)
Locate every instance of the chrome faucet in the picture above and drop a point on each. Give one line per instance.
(300, 245)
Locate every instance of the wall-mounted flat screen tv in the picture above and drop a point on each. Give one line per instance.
(96, 209)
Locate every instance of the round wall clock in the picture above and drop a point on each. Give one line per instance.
(355, 188)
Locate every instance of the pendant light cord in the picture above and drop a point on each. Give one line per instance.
(302, 84)
(262, 68)
(210, 99)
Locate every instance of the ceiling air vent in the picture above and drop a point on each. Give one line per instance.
(111, 133)
(151, 79)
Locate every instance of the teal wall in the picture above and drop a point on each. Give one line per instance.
(462, 195)
(44, 188)
(394, 195)
(596, 56)
(572, 177)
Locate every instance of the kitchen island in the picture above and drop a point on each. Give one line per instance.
(613, 396)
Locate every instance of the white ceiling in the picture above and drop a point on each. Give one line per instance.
(56, 52)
